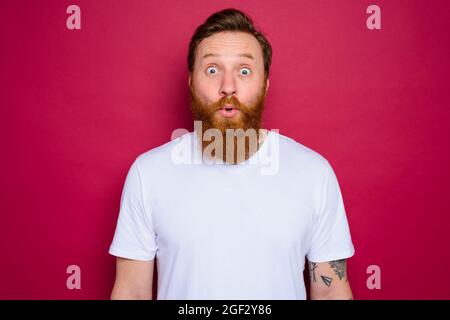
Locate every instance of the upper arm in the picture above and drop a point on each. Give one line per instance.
(134, 279)
(328, 280)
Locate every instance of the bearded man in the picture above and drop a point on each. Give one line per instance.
(223, 228)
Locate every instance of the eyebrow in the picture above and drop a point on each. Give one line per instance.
(245, 55)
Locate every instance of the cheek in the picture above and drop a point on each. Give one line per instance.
(206, 91)
(249, 93)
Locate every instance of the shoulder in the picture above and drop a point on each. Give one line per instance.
(162, 157)
(297, 154)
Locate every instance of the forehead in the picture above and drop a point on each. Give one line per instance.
(229, 44)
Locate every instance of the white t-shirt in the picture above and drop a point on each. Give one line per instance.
(224, 231)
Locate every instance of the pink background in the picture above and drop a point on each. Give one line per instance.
(77, 106)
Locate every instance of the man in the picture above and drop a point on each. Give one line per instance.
(221, 228)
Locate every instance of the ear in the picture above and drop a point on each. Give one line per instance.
(267, 84)
(190, 80)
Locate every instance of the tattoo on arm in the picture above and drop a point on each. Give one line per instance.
(312, 274)
(312, 271)
(326, 280)
(339, 267)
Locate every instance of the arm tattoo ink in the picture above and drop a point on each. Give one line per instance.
(339, 268)
(312, 271)
(326, 280)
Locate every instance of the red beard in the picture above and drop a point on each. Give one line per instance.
(248, 117)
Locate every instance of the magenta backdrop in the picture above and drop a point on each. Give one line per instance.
(77, 106)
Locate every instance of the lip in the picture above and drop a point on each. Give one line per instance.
(228, 113)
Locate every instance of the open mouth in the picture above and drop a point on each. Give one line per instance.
(228, 111)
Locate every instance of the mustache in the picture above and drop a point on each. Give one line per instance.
(226, 101)
(211, 108)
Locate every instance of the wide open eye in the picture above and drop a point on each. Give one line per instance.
(245, 71)
(211, 70)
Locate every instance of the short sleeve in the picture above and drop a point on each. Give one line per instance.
(134, 237)
(331, 239)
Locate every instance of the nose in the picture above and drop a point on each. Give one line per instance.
(228, 87)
